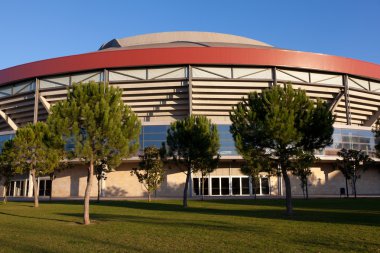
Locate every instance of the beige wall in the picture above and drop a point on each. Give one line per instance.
(120, 183)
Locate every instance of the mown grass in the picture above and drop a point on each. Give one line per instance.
(318, 225)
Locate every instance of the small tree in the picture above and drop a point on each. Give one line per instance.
(191, 141)
(151, 170)
(206, 165)
(36, 151)
(376, 130)
(101, 170)
(256, 161)
(100, 125)
(301, 169)
(7, 171)
(352, 164)
(283, 122)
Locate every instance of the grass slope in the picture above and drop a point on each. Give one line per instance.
(319, 225)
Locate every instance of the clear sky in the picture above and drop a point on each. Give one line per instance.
(33, 30)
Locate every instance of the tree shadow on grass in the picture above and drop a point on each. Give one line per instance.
(37, 218)
(317, 214)
(359, 204)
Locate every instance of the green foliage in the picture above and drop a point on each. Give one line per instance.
(103, 129)
(193, 143)
(36, 149)
(281, 123)
(376, 131)
(256, 161)
(96, 119)
(192, 139)
(301, 169)
(7, 171)
(352, 163)
(151, 169)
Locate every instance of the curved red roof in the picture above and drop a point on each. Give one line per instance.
(190, 55)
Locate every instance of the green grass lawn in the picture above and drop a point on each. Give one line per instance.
(318, 225)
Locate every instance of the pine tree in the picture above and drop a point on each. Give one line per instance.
(192, 141)
(282, 122)
(36, 151)
(100, 125)
(7, 171)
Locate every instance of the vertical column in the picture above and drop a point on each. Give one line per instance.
(30, 188)
(105, 76)
(347, 99)
(190, 88)
(191, 185)
(36, 100)
(250, 185)
(274, 77)
(103, 187)
(261, 189)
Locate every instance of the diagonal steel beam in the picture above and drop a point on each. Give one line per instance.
(9, 121)
(336, 101)
(45, 103)
(371, 120)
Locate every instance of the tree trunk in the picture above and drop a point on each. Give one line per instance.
(86, 214)
(5, 194)
(307, 190)
(35, 187)
(354, 181)
(288, 192)
(203, 188)
(254, 187)
(98, 200)
(186, 187)
(346, 187)
(149, 198)
(354, 185)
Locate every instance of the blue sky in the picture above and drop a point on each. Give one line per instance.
(36, 30)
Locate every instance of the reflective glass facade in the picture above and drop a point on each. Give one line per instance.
(152, 136)
(352, 139)
(227, 144)
(156, 135)
(4, 138)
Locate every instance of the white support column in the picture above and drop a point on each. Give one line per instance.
(191, 185)
(30, 188)
(250, 185)
(261, 189)
(103, 187)
(25, 187)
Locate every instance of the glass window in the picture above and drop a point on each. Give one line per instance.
(264, 185)
(244, 185)
(205, 190)
(225, 185)
(236, 186)
(196, 186)
(215, 186)
(42, 188)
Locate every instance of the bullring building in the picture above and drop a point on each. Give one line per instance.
(168, 76)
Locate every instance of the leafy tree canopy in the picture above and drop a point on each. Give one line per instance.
(191, 142)
(36, 150)
(7, 171)
(100, 125)
(151, 169)
(281, 122)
